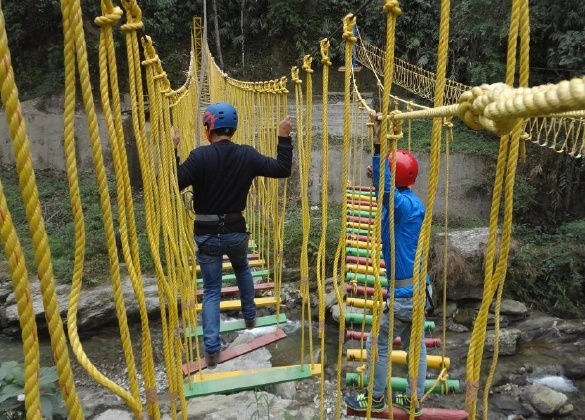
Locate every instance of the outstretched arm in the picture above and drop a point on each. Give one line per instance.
(282, 165)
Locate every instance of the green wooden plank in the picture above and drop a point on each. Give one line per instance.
(245, 380)
(361, 213)
(360, 252)
(399, 384)
(231, 278)
(367, 279)
(358, 231)
(238, 325)
(364, 193)
(356, 318)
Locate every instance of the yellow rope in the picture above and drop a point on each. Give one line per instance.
(422, 252)
(30, 196)
(321, 254)
(26, 315)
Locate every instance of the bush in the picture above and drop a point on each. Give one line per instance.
(12, 392)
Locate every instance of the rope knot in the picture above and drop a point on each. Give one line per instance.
(391, 7)
(295, 75)
(348, 24)
(133, 16)
(307, 63)
(324, 47)
(282, 84)
(396, 133)
(475, 106)
(110, 18)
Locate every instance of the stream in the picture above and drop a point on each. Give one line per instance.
(537, 361)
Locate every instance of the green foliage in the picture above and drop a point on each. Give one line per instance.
(262, 403)
(53, 192)
(293, 234)
(12, 392)
(548, 269)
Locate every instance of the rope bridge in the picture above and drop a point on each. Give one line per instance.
(499, 108)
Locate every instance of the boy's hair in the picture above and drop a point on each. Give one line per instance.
(225, 131)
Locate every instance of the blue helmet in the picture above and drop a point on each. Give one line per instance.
(220, 115)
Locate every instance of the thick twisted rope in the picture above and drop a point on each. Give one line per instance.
(30, 196)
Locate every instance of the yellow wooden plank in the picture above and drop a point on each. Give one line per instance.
(315, 371)
(362, 269)
(231, 305)
(399, 357)
(360, 303)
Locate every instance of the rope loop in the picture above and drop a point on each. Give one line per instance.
(391, 7)
(396, 125)
(475, 105)
(295, 75)
(109, 19)
(324, 47)
(348, 24)
(307, 63)
(282, 84)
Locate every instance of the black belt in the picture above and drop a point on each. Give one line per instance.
(215, 217)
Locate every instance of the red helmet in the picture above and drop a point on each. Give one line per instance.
(406, 168)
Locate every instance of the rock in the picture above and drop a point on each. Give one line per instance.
(348, 309)
(538, 325)
(96, 305)
(575, 367)
(509, 406)
(546, 401)
(567, 409)
(463, 293)
(508, 339)
(469, 241)
(331, 299)
(114, 414)
(454, 327)
(245, 405)
(512, 307)
(286, 390)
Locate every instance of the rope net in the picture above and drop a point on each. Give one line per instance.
(548, 115)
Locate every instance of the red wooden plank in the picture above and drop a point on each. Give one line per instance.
(362, 203)
(360, 188)
(361, 290)
(356, 335)
(365, 220)
(361, 238)
(427, 414)
(236, 351)
(363, 260)
(232, 290)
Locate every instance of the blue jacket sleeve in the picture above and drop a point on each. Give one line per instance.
(401, 204)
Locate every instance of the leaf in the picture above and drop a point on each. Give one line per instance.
(48, 375)
(10, 391)
(6, 368)
(47, 407)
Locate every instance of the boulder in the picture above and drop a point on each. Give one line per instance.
(546, 401)
(507, 341)
(509, 406)
(575, 366)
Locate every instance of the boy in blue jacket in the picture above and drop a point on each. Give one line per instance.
(408, 218)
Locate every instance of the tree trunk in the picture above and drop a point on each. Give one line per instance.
(217, 40)
(242, 30)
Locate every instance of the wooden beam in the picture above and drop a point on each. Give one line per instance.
(230, 278)
(239, 350)
(239, 324)
(232, 305)
(428, 414)
(233, 290)
(235, 381)
(399, 357)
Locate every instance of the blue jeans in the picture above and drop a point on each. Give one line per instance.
(210, 252)
(402, 330)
